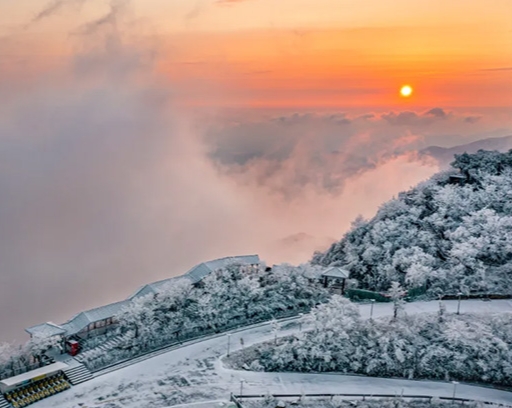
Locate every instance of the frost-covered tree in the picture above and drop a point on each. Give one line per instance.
(474, 348)
(396, 293)
(275, 327)
(235, 295)
(439, 237)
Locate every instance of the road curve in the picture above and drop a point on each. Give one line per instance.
(196, 371)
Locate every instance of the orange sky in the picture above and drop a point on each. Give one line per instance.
(293, 53)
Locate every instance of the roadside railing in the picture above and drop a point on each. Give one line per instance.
(491, 296)
(194, 336)
(237, 399)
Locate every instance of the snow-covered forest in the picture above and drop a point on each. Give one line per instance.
(448, 234)
(441, 346)
(233, 296)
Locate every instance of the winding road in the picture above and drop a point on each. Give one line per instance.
(195, 372)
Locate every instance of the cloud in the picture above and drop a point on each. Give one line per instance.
(472, 119)
(105, 184)
(196, 11)
(259, 72)
(498, 69)
(230, 1)
(287, 153)
(436, 112)
(117, 10)
(55, 7)
(106, 50)
(408, 118)
(403, 118)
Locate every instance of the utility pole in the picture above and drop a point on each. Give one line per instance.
(229, 341)
(458, 304)
(454, 390)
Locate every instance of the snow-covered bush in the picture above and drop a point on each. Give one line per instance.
(475, 348)
(26, 357)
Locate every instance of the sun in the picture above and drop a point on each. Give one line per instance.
(406, 91)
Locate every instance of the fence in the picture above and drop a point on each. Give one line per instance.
(237, 399)
(121, 355)
(362, 294)
(495, 296)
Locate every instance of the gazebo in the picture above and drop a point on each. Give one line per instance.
(334, 278)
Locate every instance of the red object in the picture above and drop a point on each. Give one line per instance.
(73, 347)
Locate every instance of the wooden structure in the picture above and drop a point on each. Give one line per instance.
(334, 278)
(457, 179)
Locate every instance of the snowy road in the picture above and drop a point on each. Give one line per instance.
(195, 373)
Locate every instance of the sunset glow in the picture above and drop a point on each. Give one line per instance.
(310, 56)
(141, 137)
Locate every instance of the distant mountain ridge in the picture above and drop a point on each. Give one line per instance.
(445, 155)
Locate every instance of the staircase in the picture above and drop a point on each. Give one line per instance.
(104, 347)
(76, 374)
(4, 403)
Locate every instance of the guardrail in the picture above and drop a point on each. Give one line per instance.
(192, 336)
(236, 399)
(490, 296)
(168, 347)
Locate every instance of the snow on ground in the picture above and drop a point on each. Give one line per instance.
(195, 373)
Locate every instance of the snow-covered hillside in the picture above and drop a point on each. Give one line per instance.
(195, 372)
(448, 234)
(442, 346)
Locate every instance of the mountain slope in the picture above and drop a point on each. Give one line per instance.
(445, 155)
(446, 235)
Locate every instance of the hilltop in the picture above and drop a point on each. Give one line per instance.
(450, 233)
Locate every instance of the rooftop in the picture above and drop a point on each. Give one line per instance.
(83, 319)
(336, 272)
(197, 273)
(45, 330)
(49, 369)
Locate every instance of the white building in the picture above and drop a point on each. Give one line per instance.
(97, 321)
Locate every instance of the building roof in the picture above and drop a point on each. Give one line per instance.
(143, 291)
(336, 272)
(19, 379)
(45, 330)
(83, 319)
(199, 272)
